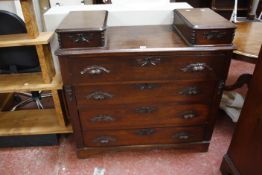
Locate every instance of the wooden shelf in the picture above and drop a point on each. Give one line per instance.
(25, 40)
(31, 122)
(27, 82)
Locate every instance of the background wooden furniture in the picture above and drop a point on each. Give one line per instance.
(102, 2)
(195, 3)
(223, 7)
(32, 122)
(245, 150)
(248, 38)
(244, 155)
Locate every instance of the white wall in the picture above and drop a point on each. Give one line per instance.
(8, 6)
(15, 7)
(12, 6)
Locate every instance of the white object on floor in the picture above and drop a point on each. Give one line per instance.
(99, 171)
(232, 103)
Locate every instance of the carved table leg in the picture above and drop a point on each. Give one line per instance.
(242, 79)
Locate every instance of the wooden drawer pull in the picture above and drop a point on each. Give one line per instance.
(102, 118)
(145, 110)
(77, 38)
(95, 70)
(182, 136)
(145, 132)
(99, 95)
(189, 114)
(145, 86)
(214, 34)
(196, 67)
(148, 61)
(104, 140)
(190, 91)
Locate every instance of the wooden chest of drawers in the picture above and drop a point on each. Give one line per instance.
(142, 93)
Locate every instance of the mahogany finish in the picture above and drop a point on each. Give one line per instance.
(245, 152)
(202, 26)
(145, 89)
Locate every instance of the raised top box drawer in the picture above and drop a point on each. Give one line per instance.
(203, 26)
(89, 70)
(81, 29)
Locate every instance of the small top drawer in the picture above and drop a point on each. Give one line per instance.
(81, 39)
(82, 29)
(203, 26)
(88, 70)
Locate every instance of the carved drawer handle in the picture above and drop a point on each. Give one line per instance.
(104, 140)
(214, 35)
(99, 95)
(190, 91)
(77, 38)
(189, 114)
(95, 70)
(146, 110)
(145, 86)
(145, 132)
(149, 61)
(102, 118)
(182, 136)
(196, 67)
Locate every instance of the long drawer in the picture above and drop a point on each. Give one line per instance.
(143, 136)
(142, 115)
(178, 91)
(88, 70)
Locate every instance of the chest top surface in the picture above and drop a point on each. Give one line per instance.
(78, 27)
(84, 21)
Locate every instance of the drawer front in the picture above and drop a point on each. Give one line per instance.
(179, 91)
(141, 115)
(84, 70)
(215, 36)
(143, 136)
(81, 39)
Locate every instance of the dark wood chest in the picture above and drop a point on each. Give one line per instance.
(145, 89)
